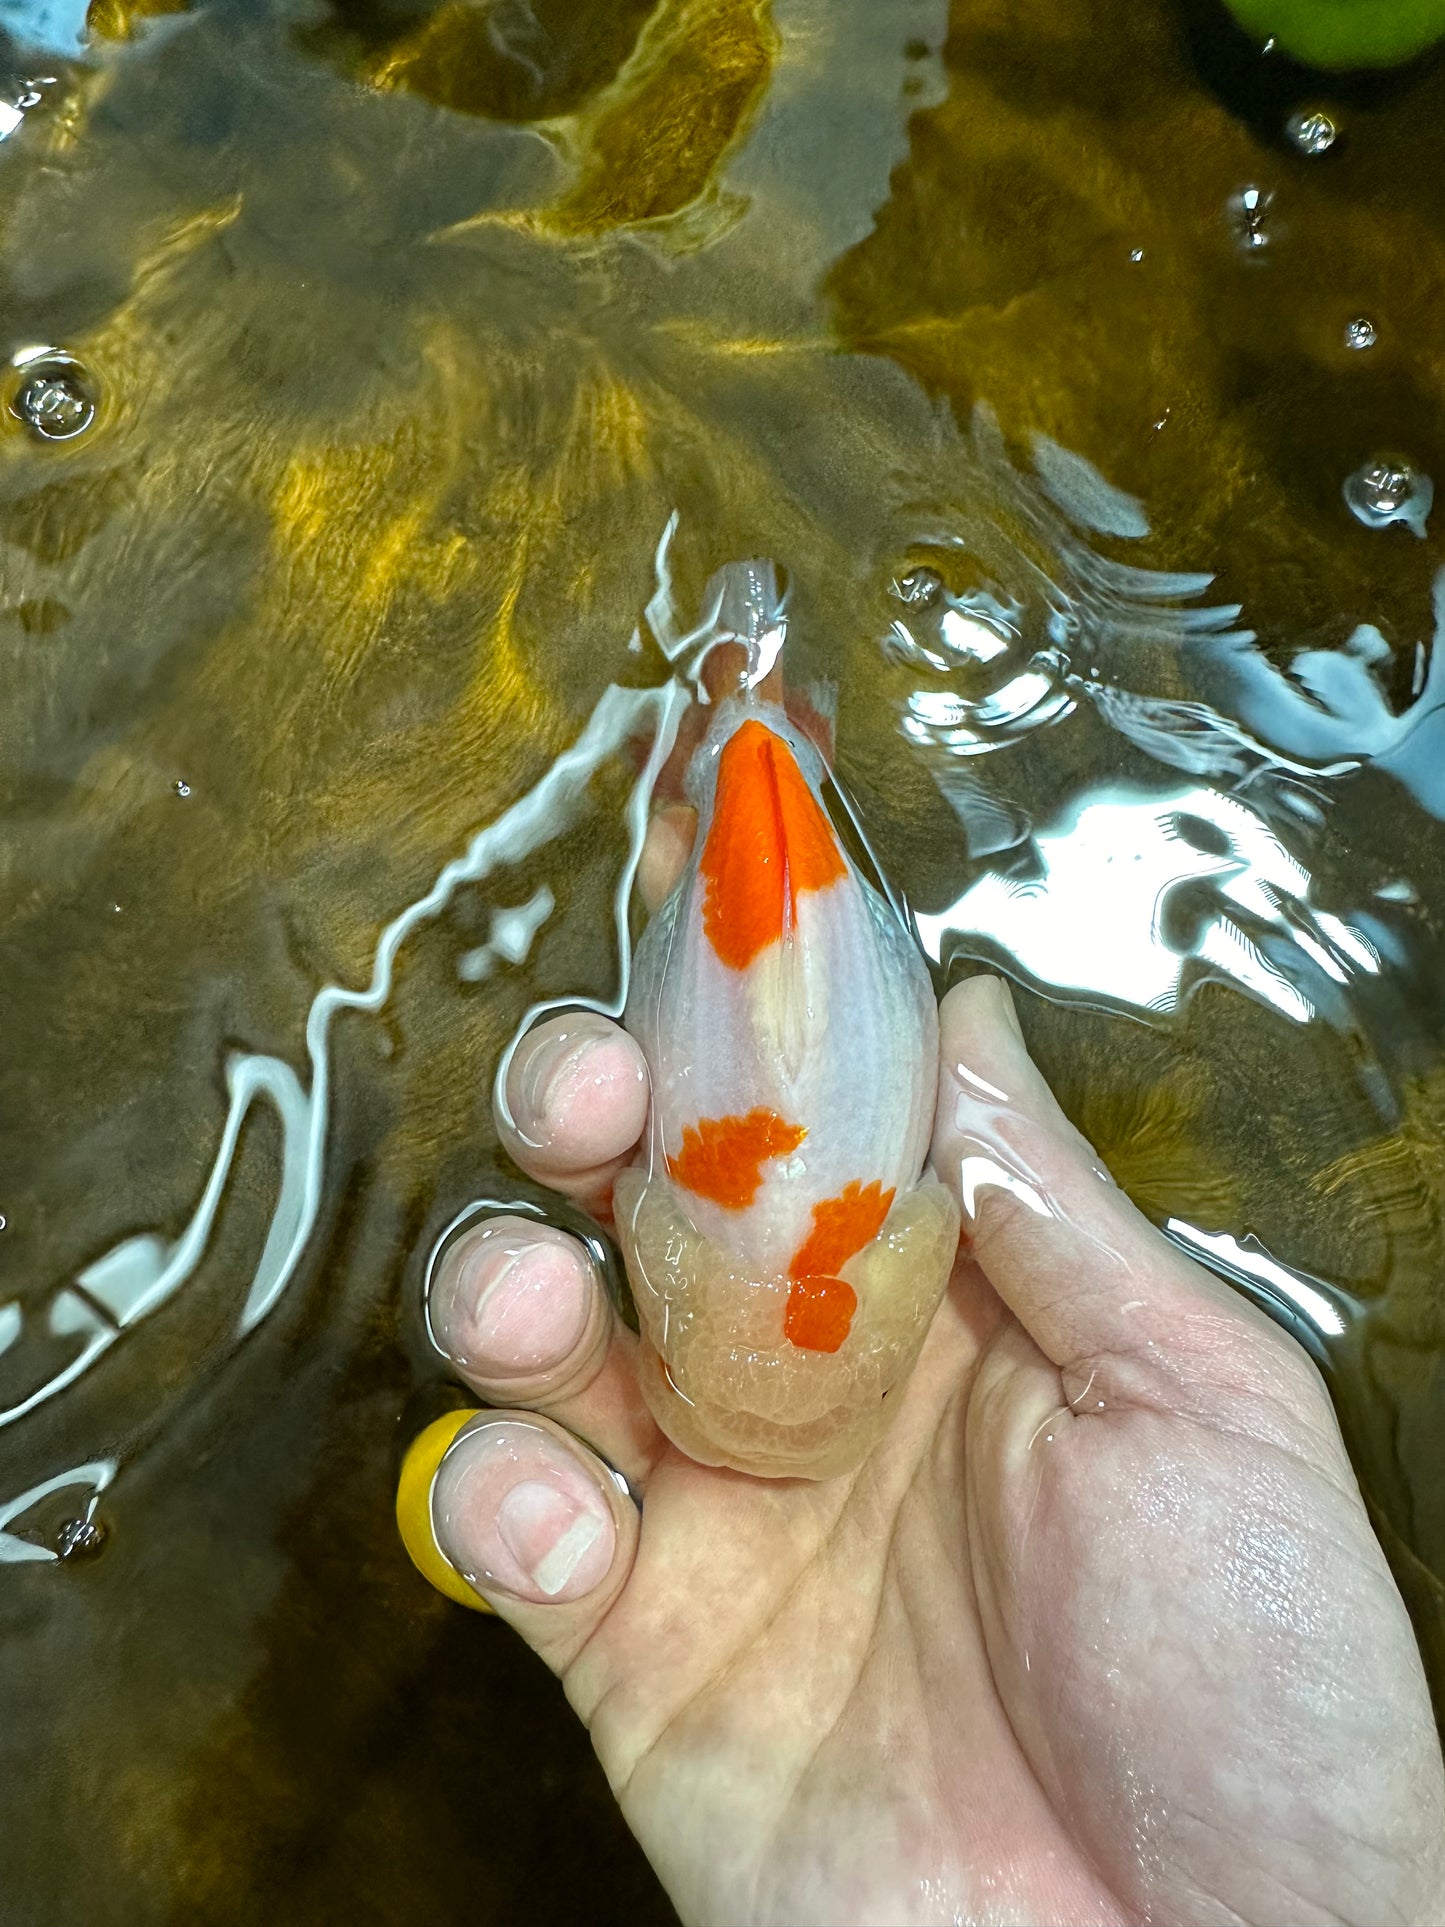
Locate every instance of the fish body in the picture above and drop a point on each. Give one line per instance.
(785, 1247)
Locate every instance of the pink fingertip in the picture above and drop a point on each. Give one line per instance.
(516, 1511)
(579, 1099)
(517, 1300)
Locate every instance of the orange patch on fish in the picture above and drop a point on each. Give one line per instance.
(770, 840)
(820, 1308)
(819, 1313)
(841, 1226)
(722, 1158)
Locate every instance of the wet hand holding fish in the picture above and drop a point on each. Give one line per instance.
(785, 1246)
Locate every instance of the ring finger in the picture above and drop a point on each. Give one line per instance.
(521, 1312)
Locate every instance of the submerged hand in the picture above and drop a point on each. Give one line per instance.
(1099, 1633)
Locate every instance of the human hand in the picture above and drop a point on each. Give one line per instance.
(1099, 1633)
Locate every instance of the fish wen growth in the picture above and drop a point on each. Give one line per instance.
(785, 1246)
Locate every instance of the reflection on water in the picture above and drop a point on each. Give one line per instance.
(356, 356)
(137, 1277)
(1333, 703)
(1133, 900)
(1310, 1308)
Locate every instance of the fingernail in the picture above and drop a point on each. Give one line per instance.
(516, 1511)
(514, 1297)
(586, 1079)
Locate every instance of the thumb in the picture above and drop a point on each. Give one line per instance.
(508, 1512)
(1082, 1269)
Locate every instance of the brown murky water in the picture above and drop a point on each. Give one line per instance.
(408, 328)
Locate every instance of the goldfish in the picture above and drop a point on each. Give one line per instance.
(785, 1243)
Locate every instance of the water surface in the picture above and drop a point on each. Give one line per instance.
(1041, 354)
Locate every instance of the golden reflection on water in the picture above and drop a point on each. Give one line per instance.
(412, 327)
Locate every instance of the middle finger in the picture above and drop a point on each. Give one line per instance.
(521, 1312)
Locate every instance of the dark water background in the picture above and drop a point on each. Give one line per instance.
(407, 329)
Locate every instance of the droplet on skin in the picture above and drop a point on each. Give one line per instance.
(1312, 131)
(1389, 488)
(1360, 333)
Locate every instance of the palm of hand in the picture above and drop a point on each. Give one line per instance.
(1099, 1633)
(1028, 1664)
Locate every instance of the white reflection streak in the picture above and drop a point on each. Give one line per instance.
(142, 1272)
(769, 647)
(1290, 1285)
(1358, 948)
(972, 638)
(980, 1086)
(1095, 920)
(672, 699)
(535, 819)
(977, 1174)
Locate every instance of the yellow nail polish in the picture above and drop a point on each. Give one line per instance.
(413, 1509)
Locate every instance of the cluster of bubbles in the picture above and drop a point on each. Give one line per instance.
(55, 396)
(1386, 488)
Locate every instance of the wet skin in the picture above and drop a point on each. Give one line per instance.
(1099, 1633)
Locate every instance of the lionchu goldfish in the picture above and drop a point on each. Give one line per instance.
(785, 1245)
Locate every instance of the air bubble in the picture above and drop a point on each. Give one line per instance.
(1249, 216)
(1312, 131)
(181, 786)
(56, 398)
(1136, 255)
(918, 589)
(1389, 488)
(1360, 333)
(79, 1538)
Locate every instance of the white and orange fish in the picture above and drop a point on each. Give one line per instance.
(785, 1245)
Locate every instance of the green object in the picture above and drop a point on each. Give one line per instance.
(1345, 33)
